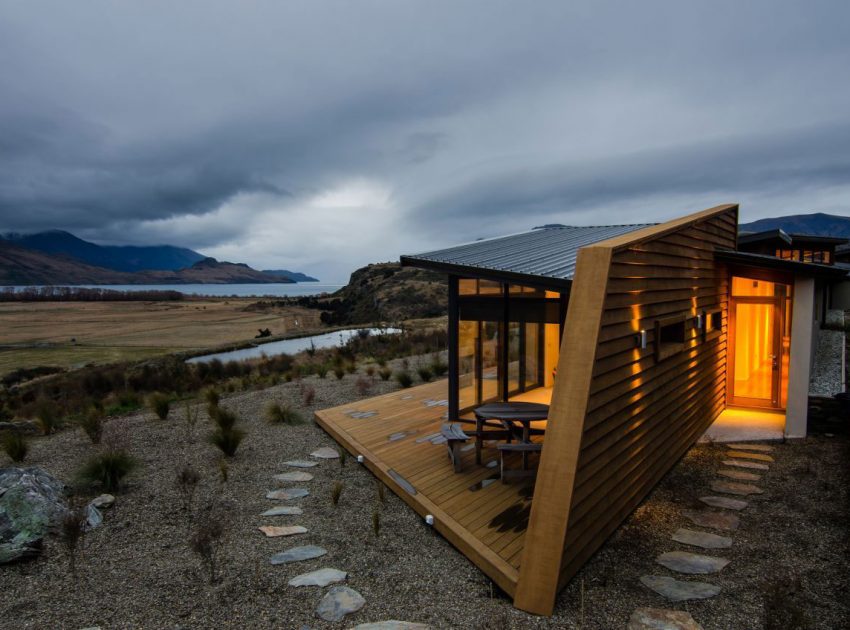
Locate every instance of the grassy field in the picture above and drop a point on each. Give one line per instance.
(40, 333)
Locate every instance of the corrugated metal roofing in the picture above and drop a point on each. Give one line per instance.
(548, 252)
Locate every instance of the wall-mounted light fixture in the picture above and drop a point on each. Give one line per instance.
(640, 339)
(699, 321)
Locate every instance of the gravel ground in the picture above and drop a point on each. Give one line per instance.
(826, 378)
(137, 572)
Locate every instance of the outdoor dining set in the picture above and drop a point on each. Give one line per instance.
(509, 424)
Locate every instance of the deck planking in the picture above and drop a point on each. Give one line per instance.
(486, 523)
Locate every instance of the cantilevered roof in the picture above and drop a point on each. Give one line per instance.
(549, 253)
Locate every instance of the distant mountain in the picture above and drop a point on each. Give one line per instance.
(818, 224)
(118, 258)
(295, 276)
(21, 266)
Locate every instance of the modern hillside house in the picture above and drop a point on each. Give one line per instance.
(587, 361)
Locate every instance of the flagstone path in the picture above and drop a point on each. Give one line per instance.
(750, 457)
(338, 601)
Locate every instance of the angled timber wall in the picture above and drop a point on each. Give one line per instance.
(621, 418)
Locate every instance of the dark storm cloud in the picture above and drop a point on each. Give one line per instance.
(205, 123)
(791, 162)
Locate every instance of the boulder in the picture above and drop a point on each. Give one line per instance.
(31, 502)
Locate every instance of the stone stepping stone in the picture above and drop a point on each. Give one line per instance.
(300, 463)
(274, 531)
(661, 619)
(738, 475)
(733, 487)
(391, 624)
(296, 475)
(724, 502)
(701, 539)
(287, 494)
(691, 563)
(677, 590)
(326, 452)
(745, 455)
(322, 577)
(715, 520)
(339, 602)
(283, 510)
(740, 463)
(297, 554)
(764, 448)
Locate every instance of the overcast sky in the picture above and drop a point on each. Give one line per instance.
(320, 136)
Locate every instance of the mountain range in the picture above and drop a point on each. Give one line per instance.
(818, 224)
(59, 257)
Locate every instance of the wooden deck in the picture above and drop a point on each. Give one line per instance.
(399, 436)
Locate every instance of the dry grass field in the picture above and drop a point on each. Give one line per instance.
(40, 333)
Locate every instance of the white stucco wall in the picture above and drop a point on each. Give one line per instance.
(803, 339)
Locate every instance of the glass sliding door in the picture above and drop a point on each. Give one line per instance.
(503, 342)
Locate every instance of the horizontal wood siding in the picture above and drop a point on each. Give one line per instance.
(643, 414)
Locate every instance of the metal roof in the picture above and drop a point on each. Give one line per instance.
(547, 252)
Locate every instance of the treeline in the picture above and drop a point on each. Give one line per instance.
(82, 294)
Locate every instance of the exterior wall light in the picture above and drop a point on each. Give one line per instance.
(640, 339)
(699, 321)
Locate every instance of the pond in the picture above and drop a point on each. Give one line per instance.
(292, 346)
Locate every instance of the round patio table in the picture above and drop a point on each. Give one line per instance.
(508, 413)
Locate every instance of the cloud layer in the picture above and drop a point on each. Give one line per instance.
(321, 136)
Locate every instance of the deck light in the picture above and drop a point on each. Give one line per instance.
(360, 459)
(429, 520)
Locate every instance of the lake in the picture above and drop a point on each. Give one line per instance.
(220, 290)
(292, 346)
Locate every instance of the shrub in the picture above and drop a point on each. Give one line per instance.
(47, 417)
(191, 414)
(108, 468)
(227, 440)
(223, 418)
(385, 373)
(322, 370)
(72, 527)
(351, 368)
(363, 385)
(336, 492)
(206, 541)
(159, 404)
(438, 367)
(187, 482)
(212, 397)
(308, 395)
(370, 371)
(15, 446)
(282, 414)
(404, 379)
(425, 374)
(339, 373)
(92, 423)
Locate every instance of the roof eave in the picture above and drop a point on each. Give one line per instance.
(485, 273)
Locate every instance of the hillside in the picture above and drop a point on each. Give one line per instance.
(19, 265)
(127, 258)
(817, 223)
(387, 292)
(22, 266)
(295, 276)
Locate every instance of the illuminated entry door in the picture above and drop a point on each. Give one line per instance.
(758, 343)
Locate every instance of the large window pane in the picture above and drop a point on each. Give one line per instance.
(490, 373)
(467, 343)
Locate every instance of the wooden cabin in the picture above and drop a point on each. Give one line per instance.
(638, 337)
